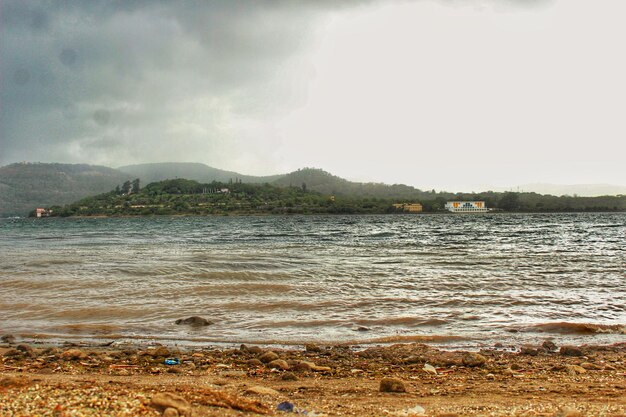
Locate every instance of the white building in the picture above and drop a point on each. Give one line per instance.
(466, 207)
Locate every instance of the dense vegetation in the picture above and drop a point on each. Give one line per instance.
(182, 196)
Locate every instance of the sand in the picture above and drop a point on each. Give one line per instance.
(333, 381)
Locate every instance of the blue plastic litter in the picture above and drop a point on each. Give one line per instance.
(285, 406)
(172, 361)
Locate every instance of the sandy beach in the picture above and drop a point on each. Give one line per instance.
(395, 380)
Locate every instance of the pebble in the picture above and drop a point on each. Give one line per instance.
(472, 359)
(279, 364)
(194, 321)
(170, 412)
(259, 390)
(571, 351)
(254, 362)
(73, 354)
(289, 376)
(392, 385)
(268, 357)
(164, 400)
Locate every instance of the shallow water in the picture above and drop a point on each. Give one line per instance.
(510, 278)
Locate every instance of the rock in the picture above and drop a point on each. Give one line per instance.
(529, 350)
(568, 412)
(289, 376)
(194, 321)
(259, 390)
(279, 364)
(549, 345)
(363, 329)
(301, 366)
(418, 410)
(165, 400)
(170, 412)
(575, 369)
(254, 362)
(310, 347)
(268, 356)
(11, 353)
(8, 338)
(430, 369)
(160, 351)
(251, 349)
(73, 355)
(571, 351)
(13, 382)
(498, 345)
(590, 366)
(26, 350)
(473, 360)
(392, 385)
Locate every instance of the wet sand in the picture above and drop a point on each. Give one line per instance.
(543, 380)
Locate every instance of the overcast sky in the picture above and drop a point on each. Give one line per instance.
(445, 94)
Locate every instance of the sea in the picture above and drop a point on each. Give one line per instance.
(456, 281)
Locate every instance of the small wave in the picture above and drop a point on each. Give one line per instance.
(400, 321)
(578, 328)
(89, 328)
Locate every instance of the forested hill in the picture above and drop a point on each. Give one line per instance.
(25, 186)
(154, 172)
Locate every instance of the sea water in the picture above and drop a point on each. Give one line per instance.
(458, 280)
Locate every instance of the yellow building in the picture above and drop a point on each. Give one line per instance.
(410, 207)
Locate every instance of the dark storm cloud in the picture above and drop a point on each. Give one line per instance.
(117, 82)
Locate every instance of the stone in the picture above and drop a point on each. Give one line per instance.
(254, 362)
(575, 369)
(429, 369)
(8, 338)
(549, 345)
(170, 412)
(26, 350)
(279, 364)
(164, 400)
(194, 321)
(310, 347)
(571, 351)
(301, 366)
(13, 382)
(392, 385)
(568, 412)
(268, 356)
(160, 351)
(473, 360)
(73, 355)
(590, 366)
(259, 390)
(289, 376)
(10, 353)
(529, 350)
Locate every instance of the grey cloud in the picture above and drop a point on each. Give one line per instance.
(118, 82)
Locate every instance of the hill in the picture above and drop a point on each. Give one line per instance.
(155, 172)
(25, 186)
(581, 190)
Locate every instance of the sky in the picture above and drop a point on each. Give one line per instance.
(458, 95)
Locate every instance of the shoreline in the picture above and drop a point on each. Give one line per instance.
(250, 380)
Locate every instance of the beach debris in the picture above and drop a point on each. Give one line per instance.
(571, 351)
(285, 406)
(164, 400)
(8, 338)
(172, 361)
(430, 369)
(392, 385)
(195, 321)
(260, 390)
(268, 357)
(473, 359)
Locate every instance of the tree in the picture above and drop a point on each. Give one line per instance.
(135, 185)
(126, 187)
(509, 201)
(304, 187)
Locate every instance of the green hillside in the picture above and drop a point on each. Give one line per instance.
(25, 186)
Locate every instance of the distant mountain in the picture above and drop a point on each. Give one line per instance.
(25, 186)
(581, 190)
(326, 183)
(154, 172)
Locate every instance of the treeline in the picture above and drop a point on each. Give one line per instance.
(182, 196)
